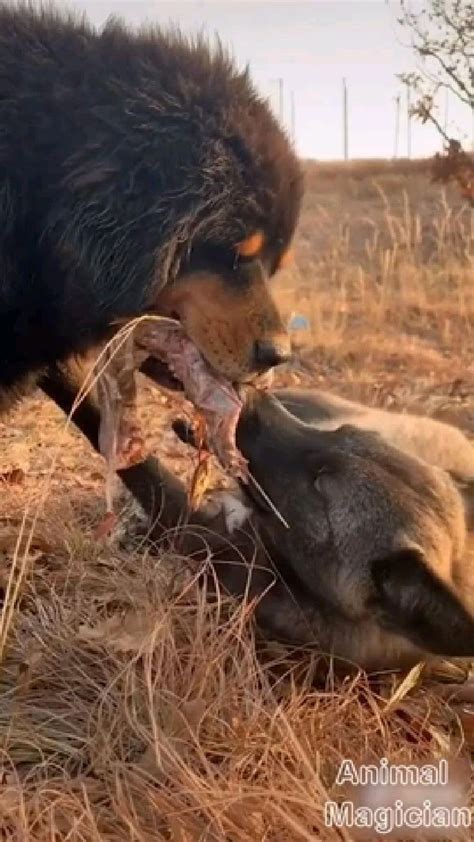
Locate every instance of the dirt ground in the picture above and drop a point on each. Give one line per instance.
(133, 709)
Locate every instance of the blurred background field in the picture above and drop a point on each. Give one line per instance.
(384, 276)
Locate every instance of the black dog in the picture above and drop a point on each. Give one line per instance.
(139, 173)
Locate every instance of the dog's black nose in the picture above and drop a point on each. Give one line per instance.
(268, 353)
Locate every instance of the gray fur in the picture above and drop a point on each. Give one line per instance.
(373, 568)
(438, 443)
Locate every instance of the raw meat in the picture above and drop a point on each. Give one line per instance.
(120, 438)
(210, 393)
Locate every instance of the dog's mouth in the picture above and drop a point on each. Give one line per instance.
(159, 373)
(158, 369)
(163, 368)
(175, 361)
(163, 351)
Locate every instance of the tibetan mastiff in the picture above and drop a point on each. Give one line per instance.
(140, 173)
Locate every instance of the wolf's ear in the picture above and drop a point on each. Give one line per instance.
(412, 602)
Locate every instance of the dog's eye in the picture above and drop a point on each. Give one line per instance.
(211, 257)
(318, 481)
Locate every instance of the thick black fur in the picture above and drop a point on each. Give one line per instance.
(126, 160)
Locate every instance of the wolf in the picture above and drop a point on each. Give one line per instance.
(361, 554)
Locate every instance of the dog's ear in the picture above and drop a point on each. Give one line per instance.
(412, 602)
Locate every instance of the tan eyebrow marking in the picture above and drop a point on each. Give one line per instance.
(251, 245)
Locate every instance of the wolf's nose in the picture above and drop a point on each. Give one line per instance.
(268, 353)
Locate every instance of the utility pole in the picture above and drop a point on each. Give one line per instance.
(408, 122)
(446, 110)
(293, 118)
(345, 119)
(281, 104)
(280, 99)
(397, 126)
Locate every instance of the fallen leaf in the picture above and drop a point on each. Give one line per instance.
(130, 632)
(13, 477)
(149, 763)
(184, 720)
(178, 831)
(409, 683)
(9, 540)
(200, 481)
(182, 725)
(28, 668)
(10, 801)
(160, 763)
(84, 482)
(466, 716)
(106, 526)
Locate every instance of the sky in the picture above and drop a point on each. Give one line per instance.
(312, 46)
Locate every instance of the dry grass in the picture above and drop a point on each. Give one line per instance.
(132, 708)
(384, 275)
